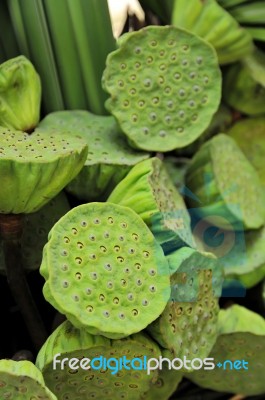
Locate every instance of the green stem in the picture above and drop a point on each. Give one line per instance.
(11, 228)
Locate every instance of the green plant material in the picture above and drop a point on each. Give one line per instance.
(8, 41)
(219, 175)
(161, 8)
(241, 337)
(66, 56)
(220, 122)
(187, 326)
(104, 270)
(231, 3)
(164, 85)
(253, 13)
(176, 169)
(35, 168)
(21, 380)
(149, 191)
(167, 382)
(257, 33)
(20, 97)
(249, 135)
(109, 158)
(36, 228)
(244, 85)
(96, 383)
(93, 45)
(210, 21)
(33, 37)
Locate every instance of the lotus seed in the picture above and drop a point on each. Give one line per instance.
(64, 253)
(127, 270)
(120, 259)
(123, 282)
(76, 298)
(110, 220)
(181, 114)
(133, 77)
(93, 256)
(137, 65)
(182, 92)
(74, 231)
(121, 83)
(152, 272)
(153, 116)
(153, 43)
(88, 291)
(110, 285)
(78, 260)
(170, 104)
(92, 237)
(194, 117)
(103, 249)
(64, 267)
(108, 267)
(101, 297)
(191, 103)
(89, 308)
(146, 254)
(184, 62)
(130, 296)
(78, 276)
(94, 275)
(192, 75)
(147, 82)
(173, 57)
(124, 225)
(180, 129)
(162, 67)
(116, 300)
(121, 316)
(66, 239)
(138, 282)
(80, 245)
(123, 66)
(137, 266)
(126, 103)
(135, 236)
(152, 288)
(106, 235)
(162, 133)
(141, 103)
(131, 251)
(121, 238)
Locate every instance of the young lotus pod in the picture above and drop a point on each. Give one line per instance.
(109, 158)
(164, 85)
(35, 168)
(20, 94)
(106, 377)
(36, 228)
(20, 380)
(167, 382)
(149, 191)
(104, 270)
(244, 85)
(187, 326)
(239, 354)
(209, 20)
(228, 187)
(249, 135)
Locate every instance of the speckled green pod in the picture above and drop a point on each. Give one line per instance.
(109, 158)
(209, 20)
(21, 380)
(249, 135)
(35, 168)
(241, 337)
(100, 383)
(187, 326)
(20, 94)
(176, 169)
(228, 187)
(167, 382)
(149, 191)
(164, 85)
(244, 85)
(36, 228)
(104, 270)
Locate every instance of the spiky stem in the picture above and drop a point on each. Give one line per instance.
(11, 228)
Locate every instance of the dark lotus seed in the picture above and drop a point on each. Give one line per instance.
(110, 220)
(108, 267)
(66, 239)
(146, 254)
(120, 259)
(101, 297)
(80, 245)
(152, 288)
(137, 266)
(78, 260)
(123, 282)
(116, 300)
(138, 282)
(78, 276)
(74, 231)
(137, 65)
(89, 308)
(76, 298)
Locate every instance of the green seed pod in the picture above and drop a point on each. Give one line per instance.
(241, 339)
(102, 383)
(20, 380)
(227, 185)
(36, 228)
(167, 382)
(244, 85)
(20, 94)
(35, 168)
(209, 20)
(109, 158)
(187, 326)
(164, 85)
(149, 191)
(104, 270)
(249, 135)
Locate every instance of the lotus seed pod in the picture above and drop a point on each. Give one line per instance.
(164, 85)
(111, 383)
(210, 21)
(149, 191)
(104, 270)
(20, 98)
(244, 85)
(167, 382)
(227, 185)
(36, 228)
(109, 158)
(35, 168)
(20, 380)
(249, 135)
(187, 326)
(239, 354)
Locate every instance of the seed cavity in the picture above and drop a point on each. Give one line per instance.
(94, 275)
(78, 276)
(134, 312)
(78, 260)
(66, 239)
(108, 267)
(145, 302)
(116, 300)
(89, 309)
